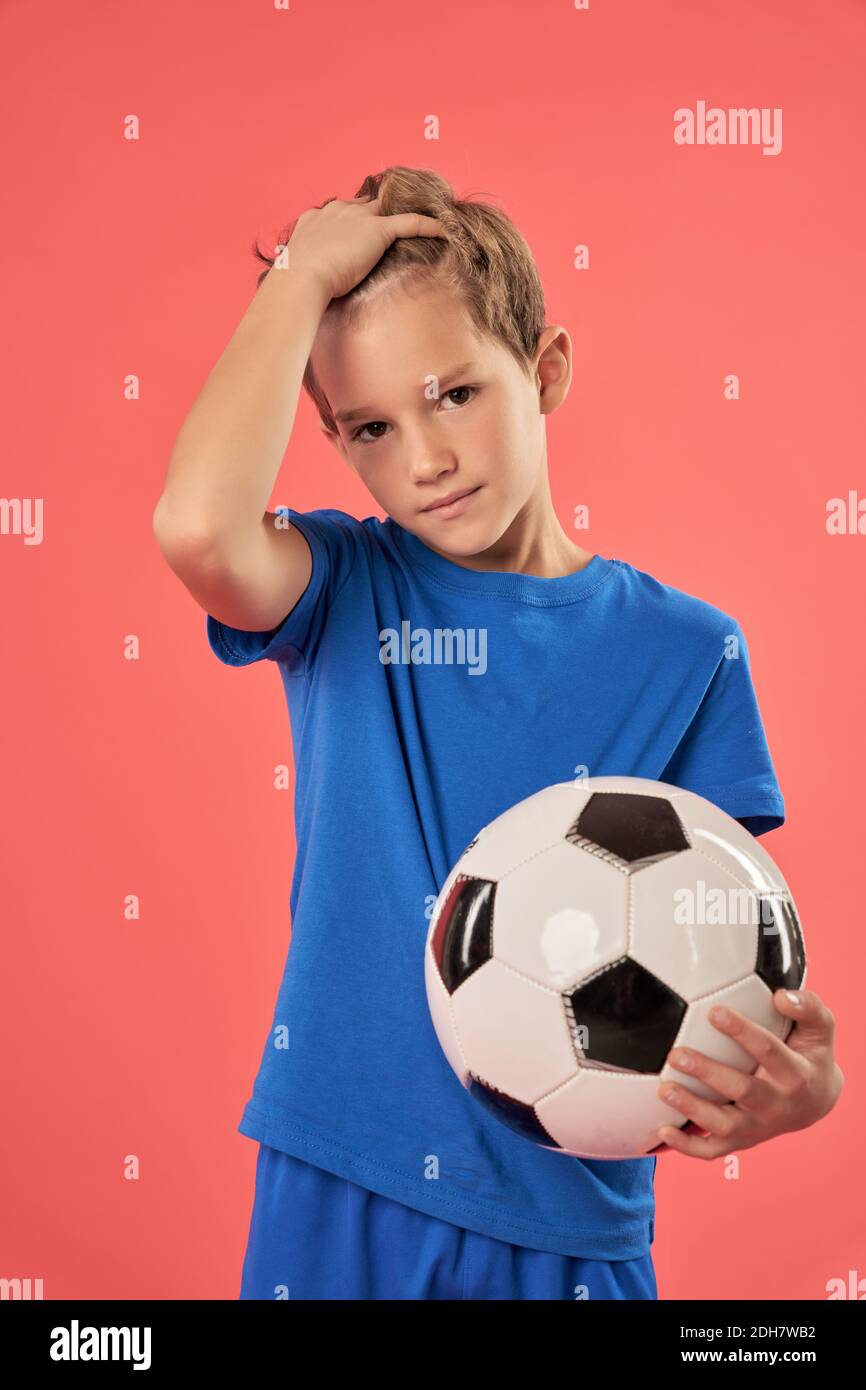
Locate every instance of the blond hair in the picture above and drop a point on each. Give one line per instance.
(484, 259)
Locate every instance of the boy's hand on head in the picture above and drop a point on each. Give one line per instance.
(796, 1082)
(340, 242)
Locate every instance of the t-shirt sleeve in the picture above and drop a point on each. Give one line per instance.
(723, 754)
(333, 540)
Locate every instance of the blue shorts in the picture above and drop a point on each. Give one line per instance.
(314, 1235)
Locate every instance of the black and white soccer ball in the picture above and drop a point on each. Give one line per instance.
(585, 932)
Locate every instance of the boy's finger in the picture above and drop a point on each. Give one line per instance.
(688, 1128)
(815, 1022)
(415, 224)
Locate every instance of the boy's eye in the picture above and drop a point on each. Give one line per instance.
(455, 390)
(371, 426)
(374, 424)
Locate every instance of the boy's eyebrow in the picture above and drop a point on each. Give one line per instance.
(344, 416)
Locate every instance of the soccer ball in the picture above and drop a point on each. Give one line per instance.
(586, 931)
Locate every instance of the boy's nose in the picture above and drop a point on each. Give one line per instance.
(426, 465)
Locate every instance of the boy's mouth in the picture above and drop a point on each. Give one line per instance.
(453, 503)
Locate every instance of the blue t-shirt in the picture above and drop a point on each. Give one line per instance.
(401, 756)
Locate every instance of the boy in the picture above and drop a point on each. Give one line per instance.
(417, 325)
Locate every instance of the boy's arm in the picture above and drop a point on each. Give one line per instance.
(210, 521)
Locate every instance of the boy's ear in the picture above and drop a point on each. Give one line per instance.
(553, 367)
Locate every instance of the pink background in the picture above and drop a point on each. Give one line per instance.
(155, 776)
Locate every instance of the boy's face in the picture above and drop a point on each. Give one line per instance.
(442, 410)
